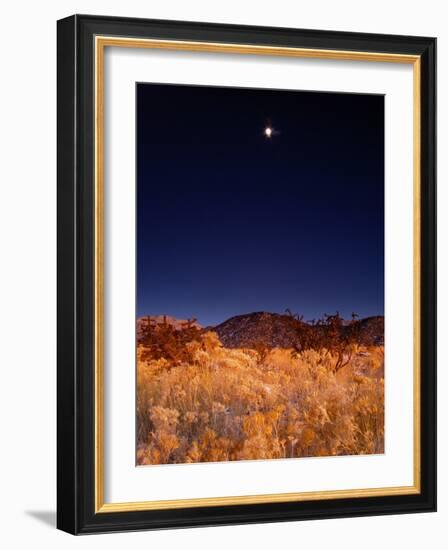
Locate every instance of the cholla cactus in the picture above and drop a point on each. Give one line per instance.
(330, 334)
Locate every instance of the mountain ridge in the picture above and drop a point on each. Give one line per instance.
(274, 330)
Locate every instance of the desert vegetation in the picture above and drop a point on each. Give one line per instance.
(198, 401)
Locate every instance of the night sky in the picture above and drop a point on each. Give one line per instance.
(231, 222)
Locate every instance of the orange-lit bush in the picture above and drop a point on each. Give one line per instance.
(237, 404)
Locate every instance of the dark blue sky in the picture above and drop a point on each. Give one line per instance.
(230, 222)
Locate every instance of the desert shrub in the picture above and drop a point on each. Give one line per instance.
(162, 340)
(331, 334)
(262, 350)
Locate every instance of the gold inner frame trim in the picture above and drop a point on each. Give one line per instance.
(101, 42)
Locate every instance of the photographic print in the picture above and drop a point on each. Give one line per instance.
(260, 284)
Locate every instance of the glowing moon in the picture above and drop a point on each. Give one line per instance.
(268, 132)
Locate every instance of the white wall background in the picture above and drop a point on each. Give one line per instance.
(28, 280)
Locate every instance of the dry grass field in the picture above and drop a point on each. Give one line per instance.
(221, 404)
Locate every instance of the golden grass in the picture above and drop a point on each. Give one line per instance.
(233, 404)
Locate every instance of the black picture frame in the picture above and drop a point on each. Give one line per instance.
(76, 271)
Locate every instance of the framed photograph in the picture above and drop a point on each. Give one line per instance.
(246, 274)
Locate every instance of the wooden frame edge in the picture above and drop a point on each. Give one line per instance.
(106, 41)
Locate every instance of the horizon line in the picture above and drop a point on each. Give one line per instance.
(284, 314)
